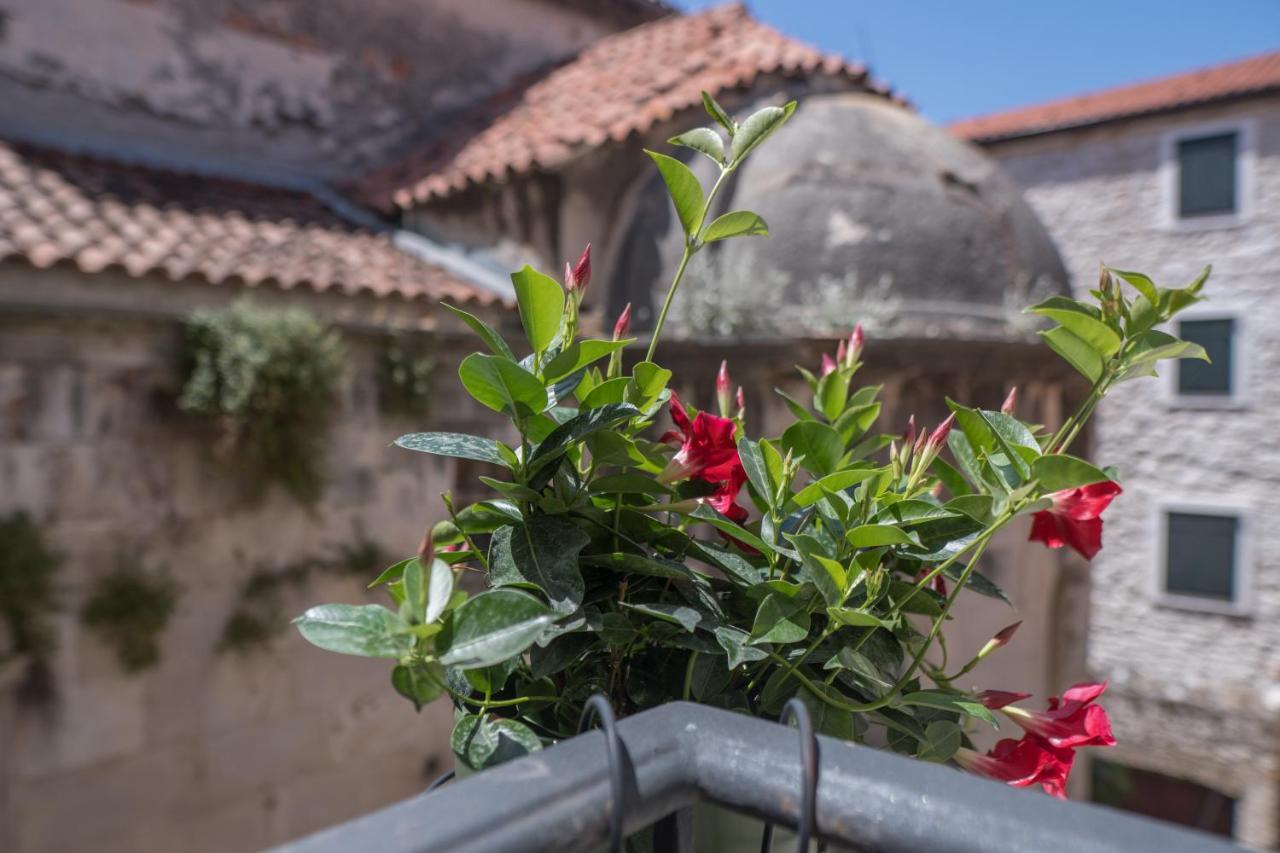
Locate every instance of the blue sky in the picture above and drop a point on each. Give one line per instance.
(958, 58)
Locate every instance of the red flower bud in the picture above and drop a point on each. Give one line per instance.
(909, 435)
(997, 699)
(1010, 402)
(939, 436)
(1004, 635)
(722, 389)
(623, 325)
(578, 277)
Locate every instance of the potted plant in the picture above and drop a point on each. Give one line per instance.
(636, 547)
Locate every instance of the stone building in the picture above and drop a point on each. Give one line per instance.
(367, 160)
(1164, 177)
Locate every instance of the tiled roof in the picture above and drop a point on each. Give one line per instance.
(623, 84)
(1246, 77)
(98, 214)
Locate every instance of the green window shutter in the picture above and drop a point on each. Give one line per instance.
(1200, 377)
(1201, 555)
(1207, 175)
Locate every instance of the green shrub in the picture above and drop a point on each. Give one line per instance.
(27, 569)
(270, 377)
(404, 379)
(129, 609)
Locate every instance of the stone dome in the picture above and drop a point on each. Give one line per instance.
(875, 216)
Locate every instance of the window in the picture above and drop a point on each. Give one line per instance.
(1217, 336)
(1207, 175)
(1201, 555)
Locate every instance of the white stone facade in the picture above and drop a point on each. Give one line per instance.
(1194, 694)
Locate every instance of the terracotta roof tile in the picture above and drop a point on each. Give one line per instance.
(623, 84)
(98, 214)
(1250, 76)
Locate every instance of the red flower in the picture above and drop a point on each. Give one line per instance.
(1075, 518)
(577, 277)
(1071, 721)
(707, 450)
(1022, 763)
(725, 498)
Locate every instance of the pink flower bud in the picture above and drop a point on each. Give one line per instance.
(1004, 635)
(577, 277)
(939, 436)
(997, 699)
(741, 400)
(909, 435)
(722, 389)
(1011, 402)
(426, 549)
(855, 344)
(842, 353)
(623, 325)
(828, 364)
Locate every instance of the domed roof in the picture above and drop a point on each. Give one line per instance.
(875, 216)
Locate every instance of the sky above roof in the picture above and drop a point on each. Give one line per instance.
(955, 60)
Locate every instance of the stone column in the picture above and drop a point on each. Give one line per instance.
(1258, 814)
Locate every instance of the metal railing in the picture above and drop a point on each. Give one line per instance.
(666, 759)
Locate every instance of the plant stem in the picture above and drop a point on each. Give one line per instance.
(666, 303)
(688, 676)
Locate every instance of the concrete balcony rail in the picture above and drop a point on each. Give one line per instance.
(673, 756)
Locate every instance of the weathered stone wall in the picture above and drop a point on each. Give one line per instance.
(1201, 691)
(209, 750)
(286, 88)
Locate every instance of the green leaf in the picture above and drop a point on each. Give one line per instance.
(609, 392)
(757, 470)
(369, 630)
(779, 620)
(724, 525)
(855, 419)
(1156, 346)
(541, 302)
(1081, 322)
(628, 484)
(420, 683)
(856, 618)
(415, 591)
(1058, 471)
(481, 742)
(735, 644)
(823, 572)
(737, 223)
(942, 738)
(492, 627)
(684, 189)
(649, 379)
(492, 679)
(542, 553)
(659, 567)
(455, 444)
(813, 492)
(977, 582)
(579, 355)
(703, 140)
(1140, 283)
(391, 573)
(875, 535)
(439, 590)
(574, 430)
(832, 394)
(717, 112)
(676, 614)
(956, 702)
(487, 333)
(502, 385)
(820, 445)
(757, 127)
(1077, 352)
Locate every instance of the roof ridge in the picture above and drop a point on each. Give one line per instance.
(1181, 89)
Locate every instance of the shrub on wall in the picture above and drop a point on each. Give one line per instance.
(269, 376)
(129, 608)
(404, 379)
(27, 569)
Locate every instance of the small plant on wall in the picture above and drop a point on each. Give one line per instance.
(269, 376)
(404, 378)
(129, 609)
(27, 571)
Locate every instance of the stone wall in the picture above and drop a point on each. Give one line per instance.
(209, 750)
(1201, 692)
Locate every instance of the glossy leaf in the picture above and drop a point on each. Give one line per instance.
(1077, 352)
(541, 302)
(1081, 322)
(703, 140)
(874, 535)
(735, 643)
(737, 223)
(942, 738)
(502, 385)
(579, 355)
(753, 463)
(956, 702)
(455, 444)
(439, 590)
(1059, 471)
(487, 333)
(717, 112)
(420, 683)
(480, 742)
(819, 444)
(575, 430)
(779, 620)
(757, 127)
(813, 492)
(368, 630)
(684, 189)
(542, 553)
(676, 614)
(492, 627)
